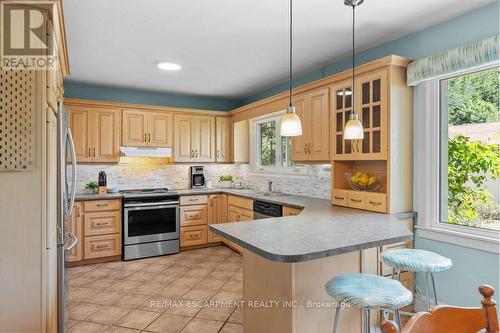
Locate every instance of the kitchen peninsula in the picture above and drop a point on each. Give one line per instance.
(290, 259)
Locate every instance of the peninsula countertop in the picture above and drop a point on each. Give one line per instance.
(320, 230)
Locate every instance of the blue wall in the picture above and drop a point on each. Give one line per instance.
(105, 93)
(480, 23)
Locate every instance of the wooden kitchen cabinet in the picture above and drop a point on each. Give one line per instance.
(370, 98)
(314, 111)
(193, 215)
(241, 144)
(96, 133)
(194, 138)
(142, 128)
(217, 213)
(291, 211)
(223, 139)
(76, 228)
(193, 220)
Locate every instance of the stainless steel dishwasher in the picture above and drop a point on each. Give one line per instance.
(264, 210)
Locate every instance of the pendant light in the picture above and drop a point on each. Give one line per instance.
(290, 121)
(353, 128)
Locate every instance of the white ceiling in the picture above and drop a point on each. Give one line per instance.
(229, 48)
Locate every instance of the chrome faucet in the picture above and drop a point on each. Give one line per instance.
(269, 185)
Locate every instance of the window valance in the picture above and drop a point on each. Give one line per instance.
(471, 55)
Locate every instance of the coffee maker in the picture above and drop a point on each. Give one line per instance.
(196, 177)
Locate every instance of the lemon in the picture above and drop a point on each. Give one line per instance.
(359, 174)
(354, 179)
(372, 180)
(363, 181)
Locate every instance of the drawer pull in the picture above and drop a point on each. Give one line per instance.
(374, 203)
(339, 198)
(193, 216)
(355, 200)
(193, 199)
(100, 247)
(102, 205)
(193, 236)
(100, 224)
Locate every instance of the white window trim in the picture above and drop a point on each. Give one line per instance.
(271, 171)
(427, 173)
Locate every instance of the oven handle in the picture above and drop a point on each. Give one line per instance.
(149, 204)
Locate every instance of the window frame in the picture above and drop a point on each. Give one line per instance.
(255, 151)
(429, 170)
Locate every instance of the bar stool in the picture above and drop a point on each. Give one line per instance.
(415, 260)
(368, 291)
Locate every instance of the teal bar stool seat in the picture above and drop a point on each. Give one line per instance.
(368, 291)
(415, 260)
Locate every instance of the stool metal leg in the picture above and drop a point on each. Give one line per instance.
(427, 291)
(336, 322)
(367, 320)
(397, 318)
(434, 289)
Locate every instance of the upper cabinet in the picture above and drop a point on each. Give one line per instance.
(241, 144)
(314, 143)
(194, 138)
(96, 133)
(371, 98)
(223, 139)
(147, 128)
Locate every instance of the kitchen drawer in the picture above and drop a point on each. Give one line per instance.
(102, 205)
(193, 215)
(102, 223)
(339, 197)
(376, 202)
(194, 200)
(237, 214)
(196, 235)
(102, 246)
(386, 270)
(291, 211)
(240, 202)
(356, 199)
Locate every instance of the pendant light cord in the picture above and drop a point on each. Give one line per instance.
(290, 55)
(352, 89)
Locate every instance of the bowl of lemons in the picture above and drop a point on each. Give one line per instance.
(364, 181)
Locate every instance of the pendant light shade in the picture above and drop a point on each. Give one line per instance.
(353, 129)
(290, 121)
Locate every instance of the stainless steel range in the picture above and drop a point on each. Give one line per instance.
(150, 223)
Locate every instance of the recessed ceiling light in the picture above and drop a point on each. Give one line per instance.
(169, 66)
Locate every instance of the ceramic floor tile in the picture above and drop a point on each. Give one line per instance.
(156, 303)
(129, 301)
(155, 268)
(107, 315)
(227, 296)
(120, 274)
(186, 282)
(101, 283)
(86, 327)
(104, 297)
(148, 288)
(220, 313)
(202, 325)
(141, 276)
(211, 283)
(232, 328)
(117, 329)
(237, 316)
(138, 319)
(235, 286)
(173, 291)
(124, 286)
(199, 294)
(83, 310)
(168, 323)
(184, 307)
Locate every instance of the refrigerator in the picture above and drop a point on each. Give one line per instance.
(66, 192)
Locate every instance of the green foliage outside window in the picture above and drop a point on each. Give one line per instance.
(268, 143)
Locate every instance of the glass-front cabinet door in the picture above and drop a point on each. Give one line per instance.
(341, 102)
(371, 106)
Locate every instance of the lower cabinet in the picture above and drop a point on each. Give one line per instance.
(217, 213)
(372, 201)
(238, 210)
(193, 220)
(291, 211)
(98, 226)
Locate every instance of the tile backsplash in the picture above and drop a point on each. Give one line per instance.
(134, 173)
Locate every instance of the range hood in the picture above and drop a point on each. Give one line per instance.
(146, 152)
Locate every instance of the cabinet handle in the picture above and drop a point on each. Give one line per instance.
(145, 137)
(149, 137)
(78, 211)
(217, 153)
(193, 236)
(89, 152)
(374, 203)
(100, 224)
(100, 247)
(192, 153)
(196, 153)
(355, 200)
(193, 199)
(94, 152)
(339, 198)
(102, 205)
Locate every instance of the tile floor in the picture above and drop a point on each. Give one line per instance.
(160, 294)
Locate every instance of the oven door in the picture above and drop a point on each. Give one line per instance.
(150, 223)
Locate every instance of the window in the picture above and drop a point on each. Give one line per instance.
(272, 151)
(469, 150)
